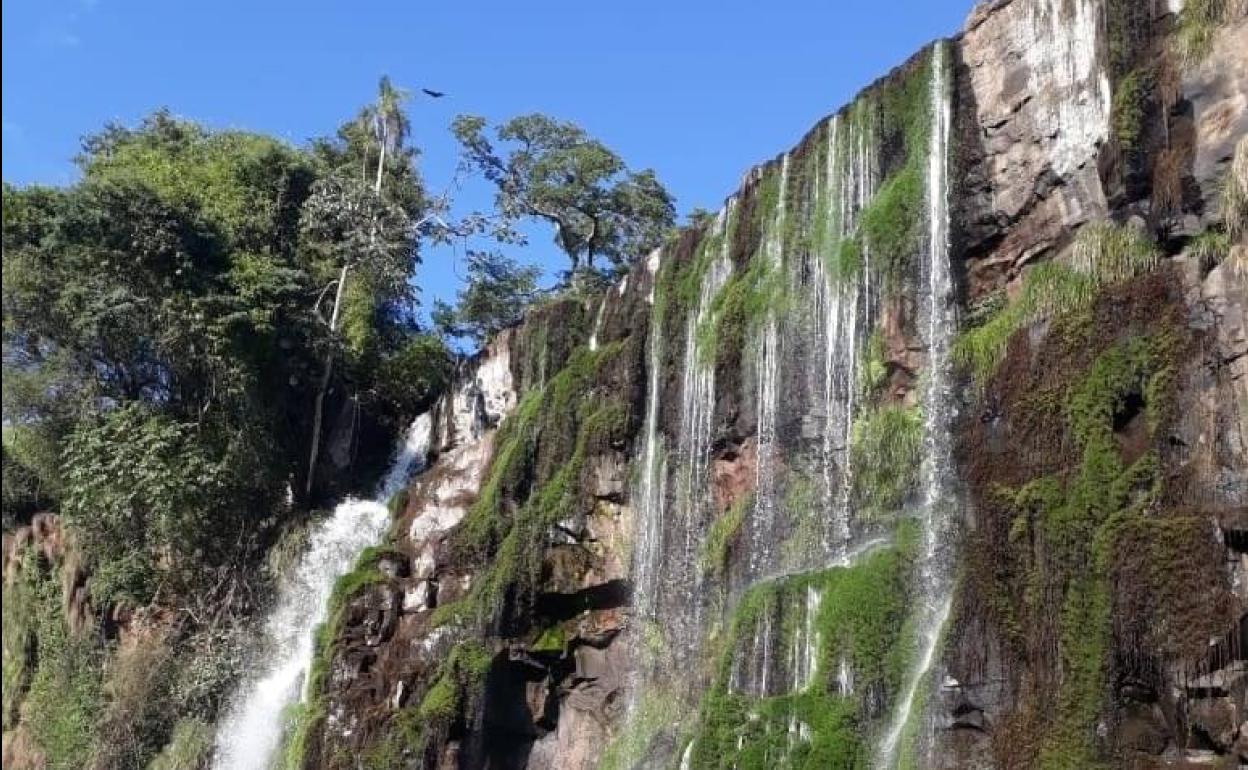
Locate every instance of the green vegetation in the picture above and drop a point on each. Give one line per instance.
(188, 749)
(175, 324)
(658, 711)
(539, 458)
(1234, 198)
(1210, 248)
(885, 449)
(1080, 518)
(859, 621)
(739, 307)
(401, 740)
(1132, 93)
(495, 295)
(303, 719)
(461, 674)
(892, 223)
(54, 676)
(1199, 21)
(554, 173)
(873, 370)
(719, 538)
(1104, 253)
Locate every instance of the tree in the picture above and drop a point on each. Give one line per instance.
(390, 124)
(354, 227)
(555, 172)
(494, 296)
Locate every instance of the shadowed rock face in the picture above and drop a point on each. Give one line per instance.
(574, 666)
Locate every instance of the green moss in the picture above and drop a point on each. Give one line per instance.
(719, 538)
(1199, 21)
(400, 744)
(1079, 518)
(739, 307)
(873, 371)
(553, 639)
(892, 223)
(397, 504)
(657, 711)
(1130, 106)
(461, 675)
(305, 718)
(860, 620)
(1104, 254)
(886, 443)
(189, 748)
(804, 508)
(535, 481)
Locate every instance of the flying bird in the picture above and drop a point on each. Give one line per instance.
(432, 93)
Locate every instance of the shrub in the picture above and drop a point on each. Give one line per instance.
(188, 749)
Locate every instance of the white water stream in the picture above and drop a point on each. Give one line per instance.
(934, 589)
(250, 733)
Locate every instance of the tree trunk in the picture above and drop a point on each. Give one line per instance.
(381, 163)
(326, 373)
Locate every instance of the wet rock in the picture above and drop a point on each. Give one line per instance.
(420, 597)
(608, 477)
(733, 475)
(1034, 111)
(1218, 91)
(393, 564)
(1217, 719)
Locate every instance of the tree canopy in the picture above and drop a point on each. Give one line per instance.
(554, 172)
(167, 315)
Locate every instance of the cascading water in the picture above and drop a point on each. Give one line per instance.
(696, 415)
(934, 586)
(251, 732)
(843, 306)
(651, 483)
(768, 363)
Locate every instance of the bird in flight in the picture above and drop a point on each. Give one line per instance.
(434, 94)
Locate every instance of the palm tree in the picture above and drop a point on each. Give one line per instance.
(390, 124)
(390, 127)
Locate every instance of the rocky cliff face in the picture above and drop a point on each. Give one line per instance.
(705, 520)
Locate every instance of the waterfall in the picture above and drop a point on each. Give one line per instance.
(934, 581)
(251, 732)
(767, 361)
(602, 311)
(650, 490)
(697, 412)
(843, 307)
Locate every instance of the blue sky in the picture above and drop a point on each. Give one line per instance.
(699, 91)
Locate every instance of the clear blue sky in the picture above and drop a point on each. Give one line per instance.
(699, 91)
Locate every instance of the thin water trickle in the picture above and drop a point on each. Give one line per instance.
(251, 732)
(649, 493)
(934, 582)
(768, 363)
(602, 311)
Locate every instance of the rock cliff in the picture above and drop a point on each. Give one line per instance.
(705, 519)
